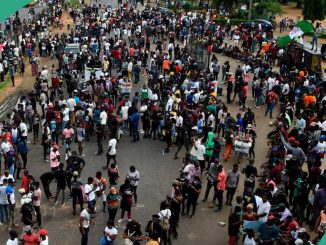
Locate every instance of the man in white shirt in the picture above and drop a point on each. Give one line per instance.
(23, 131)
(201, 149)
(133, 176)
(89, 192)
(112, 151)
(84, 222)
(103, 118)
(169, 104)
(65, 117)
(285, 89)
(263, 209)
(110, 232)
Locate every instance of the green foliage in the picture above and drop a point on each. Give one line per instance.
(272, 7)
(314, 10)
(5, 83)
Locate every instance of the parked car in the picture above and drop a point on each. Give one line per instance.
(265, 24)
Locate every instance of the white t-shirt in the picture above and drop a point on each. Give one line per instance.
(124, 112)
(134, 175)
(91, 193)
(7, 178)
(12, 242)
(87, 217)
(113, 231)
(65, 114)
(45, 242)
(23, 129)
(113, 145)
(264, 208)
(103, 117)
(201, 152)
(3, 195)
(249, 241)
(71, 103)
(194, 151)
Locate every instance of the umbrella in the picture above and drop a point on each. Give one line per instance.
(283, 41)
(305, 26)
(10, 7)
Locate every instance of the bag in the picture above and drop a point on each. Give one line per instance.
(165, 222)
(103, 240)
(127, 240)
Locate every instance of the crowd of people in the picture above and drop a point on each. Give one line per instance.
(82, 98)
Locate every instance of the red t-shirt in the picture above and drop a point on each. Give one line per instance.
(31, 239)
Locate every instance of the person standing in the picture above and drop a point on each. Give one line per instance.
(68, 134)
(228, 143)
(314, 42)
(3, 202)
(10, 191)
(126, 200)
(112, 200)
(37, 196)
(220, 187)
(89, 191)
(101, 183)
(76, 192)
(60, 176)
(110, 232)
(135, 117)
(232, 181)
(112, 151)
(211, 179)
(84, 222)
(133, 176)
(54, 158)
(194, 192)
(270, 101)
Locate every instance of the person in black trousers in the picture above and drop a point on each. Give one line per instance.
(46, 179)
(194, 191)
(76, 192)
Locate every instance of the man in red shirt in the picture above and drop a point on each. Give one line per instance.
(245, 90)
(270, 100)
(28, 237)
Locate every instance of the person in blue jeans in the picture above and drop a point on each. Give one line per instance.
(270, 100)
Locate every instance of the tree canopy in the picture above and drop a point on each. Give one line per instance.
(314, 10)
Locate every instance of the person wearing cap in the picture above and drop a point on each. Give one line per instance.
(76, 192)
(29, 237)
(268, 231)
(112, 200)
(297, 152)
(43, 236)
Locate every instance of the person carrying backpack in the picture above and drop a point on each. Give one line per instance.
(165, 215)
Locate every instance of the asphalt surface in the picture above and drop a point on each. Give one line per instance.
(157, 170)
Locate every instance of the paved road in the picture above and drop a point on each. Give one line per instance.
(157, 172)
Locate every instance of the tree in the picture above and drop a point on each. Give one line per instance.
(314, 10)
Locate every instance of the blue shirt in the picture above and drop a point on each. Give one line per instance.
(267, 232)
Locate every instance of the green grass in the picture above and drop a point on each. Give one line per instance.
(5, 83)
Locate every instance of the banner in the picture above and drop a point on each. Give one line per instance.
(8, 8)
